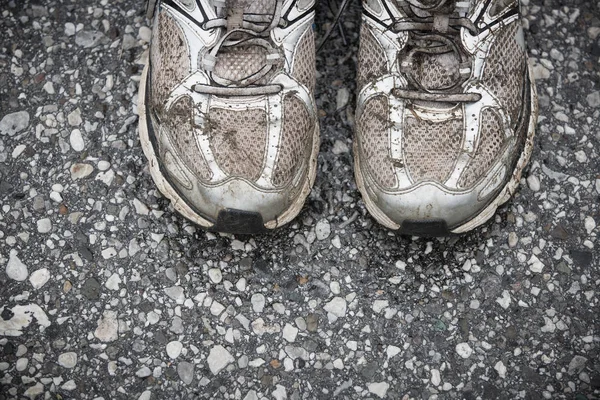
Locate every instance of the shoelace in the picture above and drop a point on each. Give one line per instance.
(438, 27)
(240, 30)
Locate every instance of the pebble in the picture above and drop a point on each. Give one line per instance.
(113, 282)
(501, 369)
(379, 389)
(336, 307)
(146, 395)
(176, 294)
(576, 365)
(74, 118)
(513, 239)
(76, 140)
(145, 34)
(67, 360)
(590, 225)
(143, 372)
(593, 99)
(22, 364)
(290, 332)
(215, 275)
(39, 278)
(534, 183)
(11, 124)
(435, 377)
(342, 97)
(279, 393)
(15, 269)
(88, 39)
(218, 358)
(535, 265)
(258, 302)
(69, 29)
(108, 327)
(185, 370)
(79, 171)
(464, 350)
(174, 349)
(323, 229)
(44, 225)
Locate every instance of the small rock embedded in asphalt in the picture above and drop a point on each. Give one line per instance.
(11, 124)
(218, 358)
(15, 269)
(258, 302)
(323, 229)
(44, 225)
(107, 330)
(379, 389)
(464, 350)
(185, 370)
(336, 307)
(215, 275)
(143, 372)
(67, 360)
(39, 278)
(174, 349)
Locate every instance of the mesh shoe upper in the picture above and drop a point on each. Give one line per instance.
(230, 102)
(443, 109)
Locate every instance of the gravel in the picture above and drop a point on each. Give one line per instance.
(108, 293)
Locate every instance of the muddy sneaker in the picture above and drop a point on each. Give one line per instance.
(446, 112)
(227, 113)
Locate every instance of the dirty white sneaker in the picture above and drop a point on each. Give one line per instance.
(446, 112)
(227, 112)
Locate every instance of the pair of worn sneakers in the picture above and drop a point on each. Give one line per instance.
(445, 115)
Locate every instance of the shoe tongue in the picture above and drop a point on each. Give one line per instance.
(253, 7)
(436, 71)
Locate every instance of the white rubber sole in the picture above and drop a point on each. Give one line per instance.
(180, 205)
(488, 212)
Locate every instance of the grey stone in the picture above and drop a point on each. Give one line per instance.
(185, 370)
(11, 124)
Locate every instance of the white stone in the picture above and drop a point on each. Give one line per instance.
(258, 302)
(15, 269)
(44, 225)
(22, 316)
(391, 351)
(501, 368)
(49, 88)
(279, 393)
(22, 364)
(174, 349)
(34, 391)
(504, 300)
(146, 395)
(215, 275)
(379, 389)
(435, 377)
(380, 305)
(79, 171)
(342, 97)
(290, 332)
(145, 34)
(113, 282)
(535, 265)
(176, 293)
(11, 124)
(103, 165)
(336, 307)
(464, 350)
(140, 208)
(143, 372)
(67, 360)
(590, 224)
(39, 278)
(109, 253)
(108, 327)
(76, 140)
(74, 117)
(69, 29)
(18, 151)
(323, 229)
(534, 183)
(218, 358)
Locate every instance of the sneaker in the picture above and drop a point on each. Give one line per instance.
(227, 113)
(446, 112)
